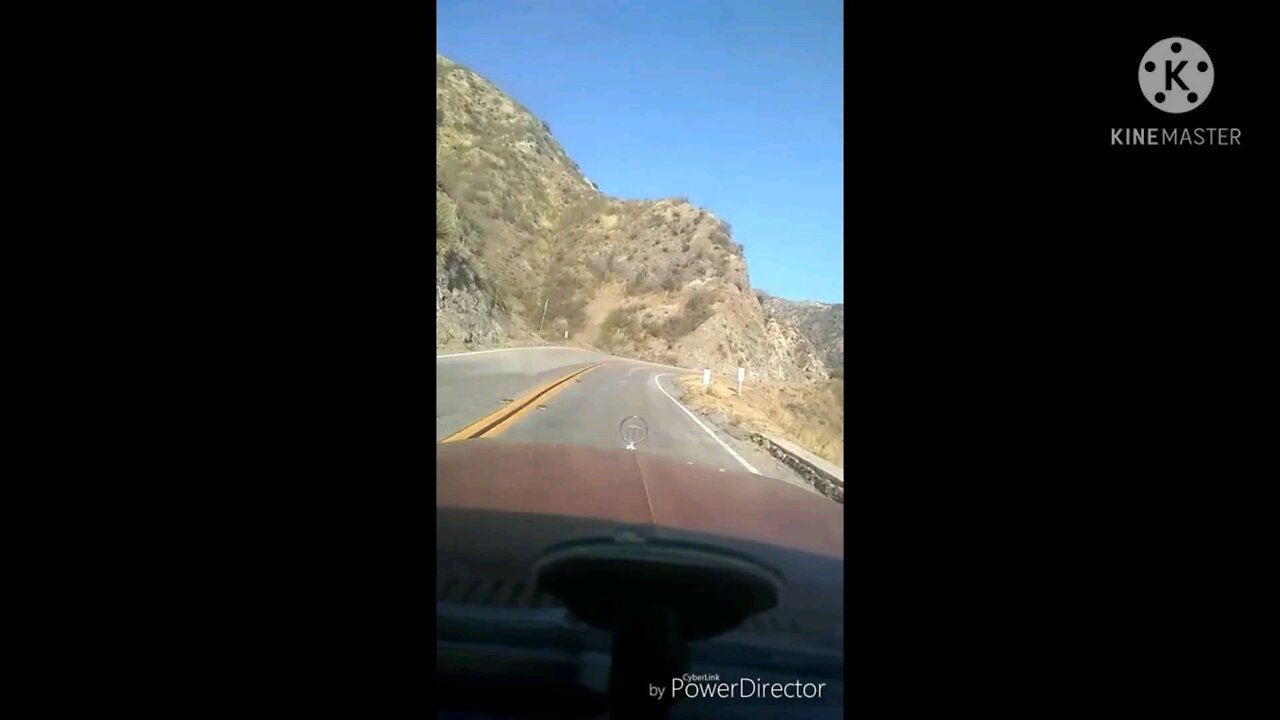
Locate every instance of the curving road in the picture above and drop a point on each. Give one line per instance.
(589, 409)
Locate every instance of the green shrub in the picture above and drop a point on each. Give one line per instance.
(621, 325)
(640, 281)
(720, 239)
(614, 320)
(697, 310)
(564, 292)
(446, 219)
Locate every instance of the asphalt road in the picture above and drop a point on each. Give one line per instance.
(588, 411)
(472, 385)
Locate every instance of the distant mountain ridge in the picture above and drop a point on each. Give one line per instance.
(821, 323)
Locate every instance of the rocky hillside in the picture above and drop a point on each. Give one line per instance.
(525, 230)
(822, 324)
(467, 309)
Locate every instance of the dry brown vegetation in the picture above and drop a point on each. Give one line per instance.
(810, 414)
(630, 324)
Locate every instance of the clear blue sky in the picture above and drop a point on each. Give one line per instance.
(738, 105)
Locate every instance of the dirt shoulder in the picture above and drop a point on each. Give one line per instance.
(810, 414)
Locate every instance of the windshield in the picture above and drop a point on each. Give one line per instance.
(639, 348)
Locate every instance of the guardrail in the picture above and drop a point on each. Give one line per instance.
(821, 480)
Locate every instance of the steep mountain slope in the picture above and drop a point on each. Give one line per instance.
(821, 323)
(538, 251)
(467, 309)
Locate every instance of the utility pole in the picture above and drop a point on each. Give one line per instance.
(544, 316)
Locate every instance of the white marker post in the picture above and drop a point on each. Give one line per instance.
(566, 334)
(742, 373)
(706, 379)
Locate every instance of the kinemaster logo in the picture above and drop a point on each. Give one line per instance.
(1175, 76)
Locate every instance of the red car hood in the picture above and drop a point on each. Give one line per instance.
(635, 489)
(500, 504)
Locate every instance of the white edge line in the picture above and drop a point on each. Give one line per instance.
(715, 437)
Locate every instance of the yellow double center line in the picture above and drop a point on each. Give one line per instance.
(496, 423)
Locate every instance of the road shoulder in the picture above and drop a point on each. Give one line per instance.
(741, 443)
